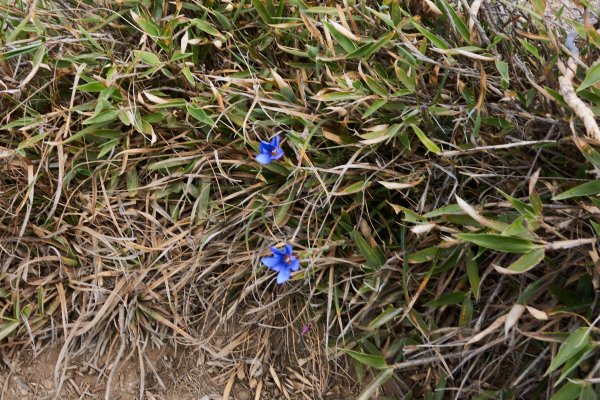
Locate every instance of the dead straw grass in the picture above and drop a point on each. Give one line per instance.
(132, 214)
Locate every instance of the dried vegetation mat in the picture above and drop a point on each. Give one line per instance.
(439, 185)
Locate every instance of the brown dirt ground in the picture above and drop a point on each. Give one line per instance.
(168, 375)
(25, 376)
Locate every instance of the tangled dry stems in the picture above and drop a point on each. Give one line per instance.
(130, 236)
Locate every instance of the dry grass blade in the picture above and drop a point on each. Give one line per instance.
(425, 149)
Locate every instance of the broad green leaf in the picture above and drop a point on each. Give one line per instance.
(107, 147)
(344, 41)
(440, 388)
(588, 152)
(386, 316)
(35, 65)
(368, 359)
(586, 189)
(409, 215)
(523, 208)
(575, 361)
(7, 328)
(367, 50)
(526, 262)
(574, 343)
(466, 312)
(147, 57)
(92, 87)
(188, 75)
(373, 255)
(262, 11)
(447, 299)
(591, 77)
(592, 35)
(530, 291)
(280, 9)
(31, 141)
(596, 227)
(423, 256)
(282, 214)
(204, 201)
(530, 48)
(279, 168)
(588, 393)
(270, 7)
(22, 50)
(102, 117)
(124, 117)
(450, 209)
(321, 10)
(408, 81)
(557, 96)
(180, 56)
(222, 19)
(355, 187)
(496, 242)
(20, 122)
(519, 227)
(148, 26)
(132, 182)
(502, 67)
(293, 51)
(569, 391)
(377, 104)
(382, 16)
(338, 96)
(199, 114)
(458, 23)
(207, 28)
(380, 136)
(430, 36)
(379, 380)
(375, 86)
(428, 143)
(536, 203)
(168, 163)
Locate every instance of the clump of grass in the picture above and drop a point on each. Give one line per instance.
(439, 192)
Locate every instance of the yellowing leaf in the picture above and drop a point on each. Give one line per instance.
(400, 185)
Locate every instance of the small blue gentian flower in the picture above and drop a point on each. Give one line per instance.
(269, 151)
(283, 262)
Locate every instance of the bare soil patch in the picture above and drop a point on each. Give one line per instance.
(168, 376)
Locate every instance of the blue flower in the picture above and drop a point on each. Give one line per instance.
(283, 262)
(269, 151)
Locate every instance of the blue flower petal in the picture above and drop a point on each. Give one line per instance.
(284, 275)
(287, 249)
(295, 264)
(275, 141)
(265, 147)
(278, 154)
(263, 158)
(274, 262)
(275, 250)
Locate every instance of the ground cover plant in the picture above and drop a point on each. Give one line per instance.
(396, 195)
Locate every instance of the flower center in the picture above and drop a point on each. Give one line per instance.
(288, 258)
(274, 152)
